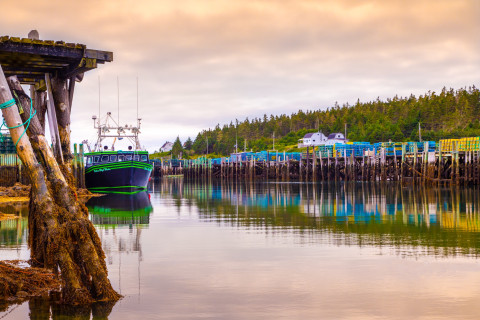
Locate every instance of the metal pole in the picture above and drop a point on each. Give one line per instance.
(118, 102)
(99, 100)
(137, 98)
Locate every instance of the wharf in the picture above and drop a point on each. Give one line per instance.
(426, 167)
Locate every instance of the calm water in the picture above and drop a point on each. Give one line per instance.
(280, 251)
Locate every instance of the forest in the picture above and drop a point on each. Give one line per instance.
(446, 114)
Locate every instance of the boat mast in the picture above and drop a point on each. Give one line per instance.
(137, 142)
(104, 129)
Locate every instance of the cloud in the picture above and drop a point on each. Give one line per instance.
(201, 63)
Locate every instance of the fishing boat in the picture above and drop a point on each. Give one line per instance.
(117, 171)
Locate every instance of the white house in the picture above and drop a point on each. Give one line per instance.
(167, 146)
(318, 138)
(335, 138)
(312, 139)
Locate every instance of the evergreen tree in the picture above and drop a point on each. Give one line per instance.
(177, 149)
(448, 114)
(188, 144)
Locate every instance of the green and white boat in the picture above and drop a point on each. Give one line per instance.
(110, 171)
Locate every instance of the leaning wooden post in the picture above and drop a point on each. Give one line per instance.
(52, 121)
(55, 215)
(61, 97)
(12, 119)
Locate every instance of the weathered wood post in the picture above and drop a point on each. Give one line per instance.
(353, 171)
(307, 165)
(55, 216)
(61, 98)
(402, 163)
(414, 169)
(395, 163)
(457, 164)
(300, 171)
(328, 166)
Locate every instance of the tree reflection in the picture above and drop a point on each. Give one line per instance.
(441, 221)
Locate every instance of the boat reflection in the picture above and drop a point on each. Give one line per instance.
(120, 209)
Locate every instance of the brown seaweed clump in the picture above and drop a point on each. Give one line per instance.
(18, 284)
(18, 190)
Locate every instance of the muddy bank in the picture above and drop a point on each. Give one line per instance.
(20, 193)
(16, 193)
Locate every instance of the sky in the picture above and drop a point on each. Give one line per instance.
(206, 62)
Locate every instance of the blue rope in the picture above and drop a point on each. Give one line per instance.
(7, 104)
(10, 103)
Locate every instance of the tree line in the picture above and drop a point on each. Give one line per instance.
(446, 114)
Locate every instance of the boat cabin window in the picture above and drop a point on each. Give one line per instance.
(89, 160)
(104, 158)
(128, 157)
(144, 158)
(113, 158)
(121, 158)
(96, 159)
(136, 158)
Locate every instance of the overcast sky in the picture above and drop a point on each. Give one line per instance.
(205, 62)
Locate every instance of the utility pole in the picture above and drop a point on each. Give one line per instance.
(419, 133)
(236, 136)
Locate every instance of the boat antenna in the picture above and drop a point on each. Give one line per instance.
(118, 102)
(99, 98)
(137, 98)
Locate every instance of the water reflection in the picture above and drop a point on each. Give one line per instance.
(269, 250)
(13, 232)
(443, 221)
(41, 309)
(120, 209)
(119, 220)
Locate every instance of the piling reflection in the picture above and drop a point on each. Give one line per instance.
(439, 221)
(42, 309)
(13, 231)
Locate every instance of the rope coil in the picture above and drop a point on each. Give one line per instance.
(9, 104)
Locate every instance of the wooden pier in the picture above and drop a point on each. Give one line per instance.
(11, 169)
(427, 168)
